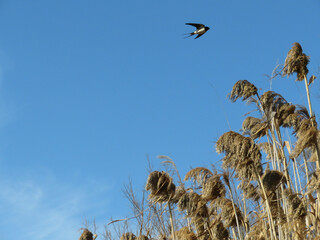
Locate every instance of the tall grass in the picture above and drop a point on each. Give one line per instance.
(269, 185)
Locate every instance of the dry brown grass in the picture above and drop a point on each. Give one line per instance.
(255, 196)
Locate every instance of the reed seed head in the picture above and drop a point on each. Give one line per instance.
(297, 206)
(213, 188)
(276, 209)
(198, 175)
(189, 202)
(180, 191)
(200, 225)
(249, 191)
(218, 230)
(272, 179)
(296, 62)
(307, 137)
(128, 236)
(161, 186)
(228, 212)
(270, 150)
(86, 235)
(259, 231)
(314, 182)
(242, 89)
(242, 154)
(255, 127)
(142, 237)
(185, 234)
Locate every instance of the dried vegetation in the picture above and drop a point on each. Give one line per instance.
(267, 188)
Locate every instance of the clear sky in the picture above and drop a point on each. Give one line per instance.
(90, 89)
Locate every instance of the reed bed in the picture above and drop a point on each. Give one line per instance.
(269, 183)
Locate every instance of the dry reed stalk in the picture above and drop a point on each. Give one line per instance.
(171, 222)
(268, 208)
(269, 150)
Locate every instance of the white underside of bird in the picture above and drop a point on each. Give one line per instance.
(200, 31)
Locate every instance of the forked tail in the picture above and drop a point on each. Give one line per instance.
(190, 34)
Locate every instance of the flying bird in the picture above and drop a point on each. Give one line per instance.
(201, 29)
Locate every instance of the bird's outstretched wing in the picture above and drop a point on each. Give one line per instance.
(199, 35)
(197, 25)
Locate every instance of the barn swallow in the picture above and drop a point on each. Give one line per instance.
(201, 29)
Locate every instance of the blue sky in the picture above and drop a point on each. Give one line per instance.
(90, 89)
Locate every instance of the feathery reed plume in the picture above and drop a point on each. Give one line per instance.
(249, 191)
(180, 191)
(196, 208)
(284, 112)
(254, 127)
(244, 89)
(219, 232)
(274, 105)
(86, 235)
(297, 214)
(128, 236)
(276, 209)
(193, 204)
(199, 174)
(213, 188)
(142, 237)
(189, 202)
(272, 179)
(163, 237)
(242, 154)
(297, 208)
(258, 231)
(228, 215)
(294, 119)
(161, 186)
(307, 134)
(296, 62)
(314, 183)
(200, 225)
(269, 149)
(185, 234)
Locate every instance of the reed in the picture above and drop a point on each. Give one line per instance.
(268, 185)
